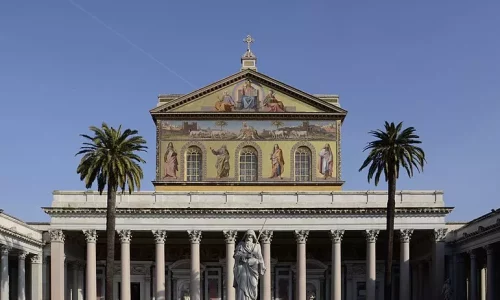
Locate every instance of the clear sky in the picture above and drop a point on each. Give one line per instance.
(433, 64)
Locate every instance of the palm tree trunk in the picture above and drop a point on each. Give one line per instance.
(110, 240)
(391, 203)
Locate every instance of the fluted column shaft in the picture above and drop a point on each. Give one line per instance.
(125, 238)
(483, 283)
(266, 237)
(21, 276)
(160, 236)
(473, 276)
(404, 263)
(36, 277)
(57, 274)
(438, 262)
(195, 238)
(230, 237)
(336, 290)
(301, 237)
(4, 288)
(91, 286)
(371, 263)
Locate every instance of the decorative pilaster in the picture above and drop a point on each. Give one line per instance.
(160, 236)
(301, 237)
(404, 263)
(438, 260)
(195, 239)
(4, 288)
(336, 288)
(21, 276)
(91, 286)
(371, 259)
(36, 277)
(490, 273)
(125, 238)
(57, 272)
(230, 237)
(266, 237)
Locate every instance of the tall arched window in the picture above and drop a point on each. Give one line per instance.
(303, 164)
(193, 164)
(248, 164)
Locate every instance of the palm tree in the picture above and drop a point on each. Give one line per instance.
(393, 148)
(110, 158)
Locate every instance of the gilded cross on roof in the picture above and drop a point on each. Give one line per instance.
(248, 40)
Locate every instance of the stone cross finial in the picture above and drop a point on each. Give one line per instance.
(249, 40)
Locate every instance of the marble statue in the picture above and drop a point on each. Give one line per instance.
(248, 266)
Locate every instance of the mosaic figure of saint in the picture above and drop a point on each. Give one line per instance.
(225, 103)
(171, 163)
(273, 104)
(248, 96)
(248, 267)
(277, 162)
(222, 164)
(325, 164)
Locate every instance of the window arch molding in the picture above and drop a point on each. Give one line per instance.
(314, 159)
(182, 161)
(238, 150)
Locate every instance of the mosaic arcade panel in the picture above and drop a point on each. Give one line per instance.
(228, 150)
(247, 96)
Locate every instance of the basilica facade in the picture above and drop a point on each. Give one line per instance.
(246, 152)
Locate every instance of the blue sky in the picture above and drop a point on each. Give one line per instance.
(433, 64)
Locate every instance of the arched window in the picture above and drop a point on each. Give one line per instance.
(303, 164)
(248, 164)
(193, 164)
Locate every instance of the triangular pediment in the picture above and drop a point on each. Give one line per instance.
(247, 92)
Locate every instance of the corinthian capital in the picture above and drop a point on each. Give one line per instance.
(5, 250)
(194, 236)
(301, 236)
(371, 235)
(56, 235)
(125, 236)
(405, 235)
(36, 259)
(266, 236)
(230, 236)
(160, 236)
(440, 234)
(336, 235)
(90, 235)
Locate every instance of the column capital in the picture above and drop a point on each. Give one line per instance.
(336, 236)
(472, 254)
(405, 235)
(371, 235)
(440, 234)
(4, 249)
(125, 236)
(301, 236)
(90, 235)
(160, 236)
(266, 236)
(489, 249)
(194, 236)
(230, 236)
(22, 255)
(57, 235)
(36, 259)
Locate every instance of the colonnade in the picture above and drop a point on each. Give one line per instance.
(195, 236)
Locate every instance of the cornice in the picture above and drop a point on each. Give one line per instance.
(253, 183)
(482, 231)
(22, 237)
(215, 212)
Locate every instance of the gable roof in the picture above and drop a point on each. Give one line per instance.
(176, 101)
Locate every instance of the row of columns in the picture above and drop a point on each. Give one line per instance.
(57, 252)
(36, 274)
(481, 280)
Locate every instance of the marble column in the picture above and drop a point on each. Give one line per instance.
(266, 237)
(404, 263)
(160, 236)
(438, 261)
(195, 281)
(230, 237)
(36, 277)
(473, 276)
(301, 237)
(336, 290)
(21, 276)
(483, 283)
(91, 287)
(125, 238)
(4, 288)
(57, 258)
(371, 263)
(490, 273)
